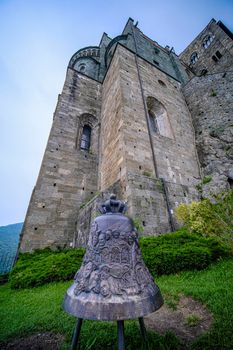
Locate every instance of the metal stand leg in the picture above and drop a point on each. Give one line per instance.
(121, 335)
(76, 334)
(143, 331)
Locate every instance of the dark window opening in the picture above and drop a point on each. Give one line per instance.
(35, 228)
(82, 68)
(156, 51)
(207, 41)
(214, 58)
(218, 54)
(230, 181)
(194, 57)
(86, 138)
(55, 184)
(144, 223)
(161, 83)
(155, 62)
(204, 71)
(153, 123)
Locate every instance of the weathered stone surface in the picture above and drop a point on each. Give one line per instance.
(212, 115)
(158, 126)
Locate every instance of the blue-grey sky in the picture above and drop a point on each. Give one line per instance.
(37, 39)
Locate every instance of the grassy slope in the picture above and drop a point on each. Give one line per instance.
(213, 287)
(30, 310)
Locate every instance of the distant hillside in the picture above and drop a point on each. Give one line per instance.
(9, 238)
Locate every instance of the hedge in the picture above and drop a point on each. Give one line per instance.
(179, 251)
(44, 266)
(166, 254)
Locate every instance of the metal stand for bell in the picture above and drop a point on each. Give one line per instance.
(120, 334)
(113, 283)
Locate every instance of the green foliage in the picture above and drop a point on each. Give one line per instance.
(204, 181)
(213, 287)
(213, 93)
(4, 278)
(192, 320)
(43, 266)
(179, 251)
(138, 225)
(216, 132)
(147, 173)
(163, 255)
(207, 218)
(27, 311)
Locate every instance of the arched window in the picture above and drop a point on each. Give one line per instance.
(86, 138)
(82, 68)
(207, 41)
(158, 118)
(153, 122)
(218, 54)
(194, 57)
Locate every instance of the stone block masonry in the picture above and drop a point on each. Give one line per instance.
(135, 119)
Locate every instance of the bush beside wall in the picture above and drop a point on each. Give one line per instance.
(44, 266)
(179, 251)
(165, 254)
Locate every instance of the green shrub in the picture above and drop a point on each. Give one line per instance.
(179, 251)
(4, 278)
(168, 253)
(210, 218)
(44, 266)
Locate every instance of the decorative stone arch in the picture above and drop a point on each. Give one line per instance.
(90, 64)
(207, 40)
(158, 117)
(86, 122)
(88, 51)
(109, 50)
(194, 58)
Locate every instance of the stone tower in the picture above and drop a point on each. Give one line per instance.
(126, 122)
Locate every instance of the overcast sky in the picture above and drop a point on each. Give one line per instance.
(37, 39)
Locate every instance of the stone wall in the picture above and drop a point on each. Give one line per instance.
(68, 175)
(126, 148)
(88, 212)
(221, 42)
(210, 101)
(146, 205)
(148, 156)
(112, 164)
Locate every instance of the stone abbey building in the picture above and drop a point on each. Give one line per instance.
(135, 119)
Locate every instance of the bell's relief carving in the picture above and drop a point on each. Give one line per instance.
(113, 282)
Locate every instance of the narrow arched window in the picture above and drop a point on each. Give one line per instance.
(194, 57)
(153, 122)
(158, 119)
(86, 138)
(82, 68)
(218, 54)
(207, 41)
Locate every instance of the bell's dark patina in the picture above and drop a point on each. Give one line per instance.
(113, 282)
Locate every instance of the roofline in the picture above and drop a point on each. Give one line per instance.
(211, 21)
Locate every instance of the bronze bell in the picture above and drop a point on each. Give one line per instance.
(113, 282)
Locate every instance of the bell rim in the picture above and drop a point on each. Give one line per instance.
(131, 308)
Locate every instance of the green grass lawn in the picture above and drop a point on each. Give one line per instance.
(39, 309)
